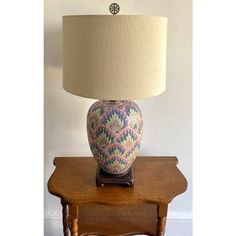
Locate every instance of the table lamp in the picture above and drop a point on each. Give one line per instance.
(114, 59)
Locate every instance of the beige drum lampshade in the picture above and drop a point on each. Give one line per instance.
(114, 57)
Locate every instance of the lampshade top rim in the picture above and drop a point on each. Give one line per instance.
(117, 16)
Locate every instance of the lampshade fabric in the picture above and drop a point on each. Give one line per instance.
(114, 57)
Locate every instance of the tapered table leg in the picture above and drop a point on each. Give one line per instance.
(161, 219)
(65, 216)
(73, 218)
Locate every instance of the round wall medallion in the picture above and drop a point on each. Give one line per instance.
(114, 8)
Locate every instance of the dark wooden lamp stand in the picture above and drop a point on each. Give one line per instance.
(103, 178)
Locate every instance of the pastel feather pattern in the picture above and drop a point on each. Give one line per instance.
(114, 134)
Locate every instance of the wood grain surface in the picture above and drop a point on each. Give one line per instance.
(118, 219)
(157, 180)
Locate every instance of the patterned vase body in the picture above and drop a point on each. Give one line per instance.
(114, 132)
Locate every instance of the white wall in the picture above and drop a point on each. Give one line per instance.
(167, 118)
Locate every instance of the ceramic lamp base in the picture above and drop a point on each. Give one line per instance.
(114, 132)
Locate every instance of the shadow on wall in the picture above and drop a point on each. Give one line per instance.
(53, 48)
(65, 114)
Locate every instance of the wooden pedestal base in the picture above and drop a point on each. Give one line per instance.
(105, 178)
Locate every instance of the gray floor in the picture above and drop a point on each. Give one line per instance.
(173, 228)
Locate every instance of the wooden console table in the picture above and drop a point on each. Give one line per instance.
(116, 209)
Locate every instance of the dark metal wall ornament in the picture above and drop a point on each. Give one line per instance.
(114, 8)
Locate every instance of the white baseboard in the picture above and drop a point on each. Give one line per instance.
(174, 227)
(172, 215)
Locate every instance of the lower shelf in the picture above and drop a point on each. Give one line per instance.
(113, 220)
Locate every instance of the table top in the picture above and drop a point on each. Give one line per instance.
(157, 180)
